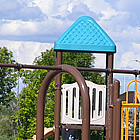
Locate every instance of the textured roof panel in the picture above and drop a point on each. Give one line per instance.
(85, 35)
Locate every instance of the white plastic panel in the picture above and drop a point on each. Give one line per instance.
(71, 104)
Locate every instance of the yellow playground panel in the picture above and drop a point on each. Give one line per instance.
(130, 111)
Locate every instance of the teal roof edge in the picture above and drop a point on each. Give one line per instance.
(85, 35)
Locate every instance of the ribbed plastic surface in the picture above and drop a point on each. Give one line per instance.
(87, 36)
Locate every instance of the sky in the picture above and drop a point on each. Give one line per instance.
(28, 27)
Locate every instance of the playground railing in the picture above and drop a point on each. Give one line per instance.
(71, 107)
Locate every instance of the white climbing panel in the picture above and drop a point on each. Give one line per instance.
(71, 104)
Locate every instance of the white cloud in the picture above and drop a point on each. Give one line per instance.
(136, 47)
(97, 5)
(19, 9)
(18, 27)
(52, 7)
(7, 5)
(49, 30)
(131, 33)
(127, 59)
(59, 16)
(64, 8)
(25, 52)
(100, 60)
(108, 13)
(128, 5)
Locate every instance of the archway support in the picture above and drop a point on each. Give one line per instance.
(85, 98)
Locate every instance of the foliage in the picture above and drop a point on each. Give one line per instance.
(6, 138)
(97, 135)
(7, 77)
(6, 128)
(94, 135)
(32, 80)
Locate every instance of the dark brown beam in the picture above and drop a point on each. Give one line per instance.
(21, 66)
(80, 127)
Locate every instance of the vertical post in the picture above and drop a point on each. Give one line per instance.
(116, 111)
(111, 91)
(122, 119)
(114, 122)
(109, 65)
(118, 120)
(57, 108)
(126, 123)
(135, 118)
(139, 125)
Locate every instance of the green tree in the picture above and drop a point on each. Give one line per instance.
(33, 79)
(6, 127)
(8, 79)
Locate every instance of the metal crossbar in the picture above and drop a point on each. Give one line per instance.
(22, 66)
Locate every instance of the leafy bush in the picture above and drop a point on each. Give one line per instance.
(6, 138)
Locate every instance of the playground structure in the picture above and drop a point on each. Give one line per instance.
(127, 106)
(71, 104)
(102, 112)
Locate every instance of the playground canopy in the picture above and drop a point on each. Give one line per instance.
(85, 35)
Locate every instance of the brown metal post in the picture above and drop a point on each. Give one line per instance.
(111, 90)
(116, 90)
(116, 111)
(109, 65)
(85, 98)
(118, 120)
(114, 121)
(41, 104)
(57, 108)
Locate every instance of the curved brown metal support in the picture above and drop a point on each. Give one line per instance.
(85, 98)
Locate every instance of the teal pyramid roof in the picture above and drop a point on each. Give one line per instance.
(85, 35)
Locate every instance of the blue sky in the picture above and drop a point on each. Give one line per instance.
(28, 27)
